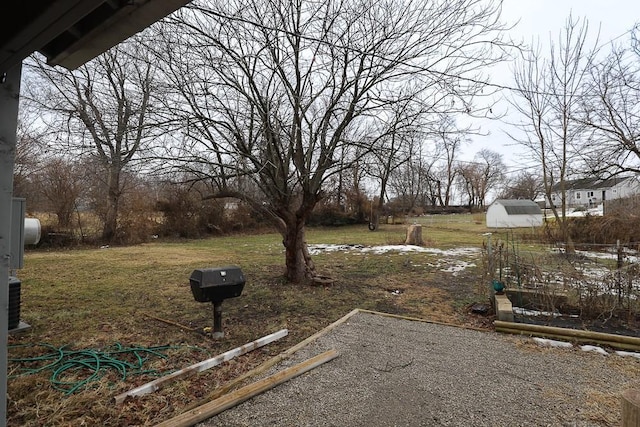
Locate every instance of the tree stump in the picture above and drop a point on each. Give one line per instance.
(414, 235)
(631, 408)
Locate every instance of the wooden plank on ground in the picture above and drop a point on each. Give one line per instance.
(616, 341)
(245, 393)
(273, 361)
(152, 386)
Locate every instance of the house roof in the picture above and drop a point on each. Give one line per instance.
(519, 206)
(591, 183)
(612, 182)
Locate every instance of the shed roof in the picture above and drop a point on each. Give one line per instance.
(519, 206)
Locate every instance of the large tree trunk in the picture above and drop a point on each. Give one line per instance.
(290, 223)
(299, 266)
(111, 214)
(64, 214)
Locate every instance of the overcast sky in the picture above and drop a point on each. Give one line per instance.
(543, 19)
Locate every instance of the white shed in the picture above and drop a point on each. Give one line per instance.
(505, 213)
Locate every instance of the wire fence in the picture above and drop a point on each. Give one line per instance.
(598, 282)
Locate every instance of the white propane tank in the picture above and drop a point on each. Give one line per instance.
(31, 231)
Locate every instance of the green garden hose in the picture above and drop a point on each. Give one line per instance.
(86, 366)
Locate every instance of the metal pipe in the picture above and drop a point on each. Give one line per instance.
(217, 320)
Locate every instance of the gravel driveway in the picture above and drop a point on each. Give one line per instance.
(398, 372)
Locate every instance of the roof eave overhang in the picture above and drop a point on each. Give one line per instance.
(71, 32)
(56, 18)
(128, 21)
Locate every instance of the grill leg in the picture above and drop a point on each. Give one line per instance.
(217, 320)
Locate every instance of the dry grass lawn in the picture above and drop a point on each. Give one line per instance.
(135, 303)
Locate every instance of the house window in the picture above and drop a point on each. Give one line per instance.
(590, 194)
(577, 194)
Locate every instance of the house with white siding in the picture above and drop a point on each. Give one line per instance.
(591, 192)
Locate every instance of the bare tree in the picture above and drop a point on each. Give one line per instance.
(525, 185)
(276, 91)
(60, 183)
(397, 145)
(415, 182)
(405, 183)
(449, 141)
(611, 110)
(479, 177)
(547, 97)
(345, 190)
(27, 162)
(104, 110)
(468, 179)
(492, 173)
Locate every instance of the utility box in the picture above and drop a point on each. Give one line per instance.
(14, 302)
(24, 231)
(18, 209)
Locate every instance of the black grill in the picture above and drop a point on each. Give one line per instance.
(215, 285)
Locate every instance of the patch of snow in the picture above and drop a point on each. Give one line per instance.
(596, 211)
(318, 248)
(592, 273)
(628, 353)
(563, 344)
(552, 343)
(448, 261)
(458, 267)
(594, 348)
(527, 312)
(629, 255)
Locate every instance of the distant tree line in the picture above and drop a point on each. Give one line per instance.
(237, 114)
(253, 112)
(577, 98)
